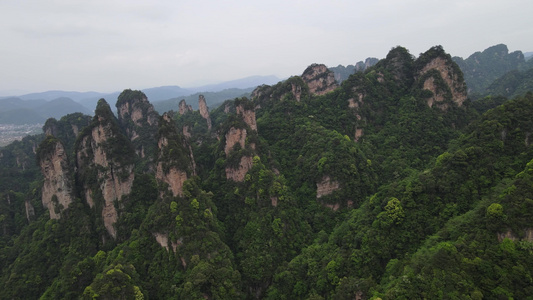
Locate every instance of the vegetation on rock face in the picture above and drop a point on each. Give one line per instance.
(139, 120)
(365, 192)
(67, 128)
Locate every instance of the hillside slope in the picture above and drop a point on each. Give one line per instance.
(390, 185)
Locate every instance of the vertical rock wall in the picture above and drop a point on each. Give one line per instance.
(57, 186)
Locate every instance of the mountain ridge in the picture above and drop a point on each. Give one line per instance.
(392, 184)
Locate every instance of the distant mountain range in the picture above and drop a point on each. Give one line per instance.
(213, 99)
(481, 69)
(36, 108)
(14, 110)
(496, 72)
(488, 72)
(342, 73)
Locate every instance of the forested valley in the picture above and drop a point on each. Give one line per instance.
(394, 184)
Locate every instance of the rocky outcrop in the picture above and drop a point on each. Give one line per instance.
(356, 103)
(333, 207)
(50, 127)
(261, 92)
(292, 89)
(139, 119)
(442, 77)
(319, 79)
(162, 239)
(173, 177)
(175, 162)
(528, 235)
(104, 156)
(274, 201)
(67, 129)
(358, 133)
(326, 186)
(184, 108)
(134, 106)
(248, 115)
(296, 90)
(57, 192)
(241, 161)
(204, 111)
(234, 136)
(30, 211)
(238, 174)
(186, 132)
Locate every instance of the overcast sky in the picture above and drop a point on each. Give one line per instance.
(111, 45)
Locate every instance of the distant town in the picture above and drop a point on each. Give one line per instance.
(11, 132)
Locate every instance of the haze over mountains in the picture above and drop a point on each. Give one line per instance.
(393, 184)
(491, 71)
(37, 107)
(480, 70)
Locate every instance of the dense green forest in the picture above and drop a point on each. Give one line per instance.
(393, 184)
(496, 72)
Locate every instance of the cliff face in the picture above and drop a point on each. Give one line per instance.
(319, 79)
(30, 211)
(134, 106)
(241, 159)
(237, 136)
(175, 162)
(57, 193)
(296, 90)
(204, 111)
(234, 136)
(248, 115)
(104, 159)
(509, 234)
(238, 173)
(139, 119)
(442, 77)
(326, 186)
(315, 80)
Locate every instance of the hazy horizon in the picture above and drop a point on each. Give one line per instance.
(15, 93)
(105, 46)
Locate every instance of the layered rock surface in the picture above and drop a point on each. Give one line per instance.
(139, 119)
(57, 192)
(319, 79)
(175, 162)
(248, 115)
(184, 108)
(204, 111)
(238, 136)
(105, 156)
(444, 79)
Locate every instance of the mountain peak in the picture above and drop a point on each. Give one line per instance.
(319, 79)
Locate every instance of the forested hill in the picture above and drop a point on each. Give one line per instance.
(481, 69)
(391, 185)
